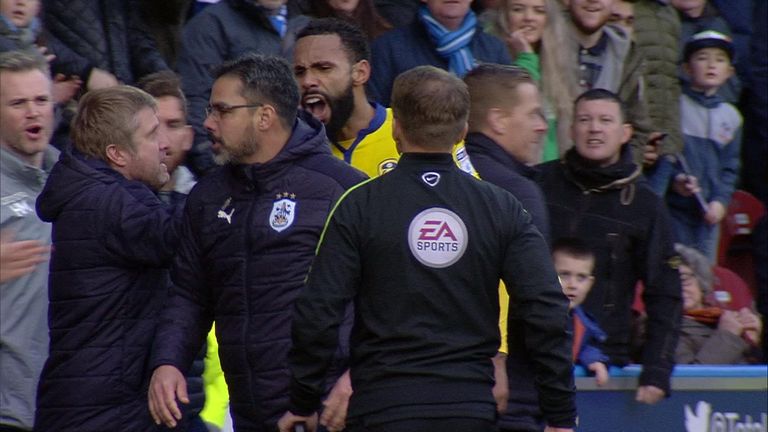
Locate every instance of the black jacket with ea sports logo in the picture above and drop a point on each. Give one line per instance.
(420, 251)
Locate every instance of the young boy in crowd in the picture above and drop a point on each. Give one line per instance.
(706, 175)
(574, 263)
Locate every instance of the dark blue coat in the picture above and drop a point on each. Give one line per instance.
(406, 47)
(248, 238)
(112, 242)
(497, 166)
(107, 34)
(221, 32)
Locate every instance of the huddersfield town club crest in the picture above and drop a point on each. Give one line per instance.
(283, 211)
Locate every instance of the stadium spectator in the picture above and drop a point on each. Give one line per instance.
(107, 40)
(113, 241)
(697, 16)
(596, 193)
(249, 235)
(657, 35)
(574, 264)
(359, 12)
(222, 32)
(540, 41)
(702, 189)
(445, 34)
(26, 158)
(608, 59)
(709, 334)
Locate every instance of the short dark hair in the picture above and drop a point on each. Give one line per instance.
(431, 105)
(602, 94)
(164, 84)
(351, 36)
(265, 79)
(573, 246)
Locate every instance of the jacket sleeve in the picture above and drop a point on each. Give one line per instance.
(143, 52)
(721, 347)
(202, 49)
(67, 62)
(537, 301)
(529, 62)
(144, 231)
(320, 308)
(188, 315)
(730, 162)
(632, 93)
(663, 304)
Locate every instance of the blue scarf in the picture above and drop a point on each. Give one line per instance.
(453, 45)
(280, 21)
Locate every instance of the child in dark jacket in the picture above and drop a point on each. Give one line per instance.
(574, 263)
(706, 175)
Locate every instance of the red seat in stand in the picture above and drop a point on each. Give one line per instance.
(735, 247)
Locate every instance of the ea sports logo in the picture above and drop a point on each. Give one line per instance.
(437, 237)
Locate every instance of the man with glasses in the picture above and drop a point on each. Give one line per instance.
(249, 235)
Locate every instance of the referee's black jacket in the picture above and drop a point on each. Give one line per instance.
(420, 251)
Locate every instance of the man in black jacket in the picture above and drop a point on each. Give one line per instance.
(249, 234)
(506, 126)
(596, 193)
(420, 253)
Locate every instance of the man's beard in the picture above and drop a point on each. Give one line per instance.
(247, 148)
(341, 111)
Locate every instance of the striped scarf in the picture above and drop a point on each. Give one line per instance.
(453, 45)
(280, 21)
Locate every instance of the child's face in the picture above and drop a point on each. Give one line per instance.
(19, 12)
(575, 276)
(709, 68)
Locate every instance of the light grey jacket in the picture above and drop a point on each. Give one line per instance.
(24, 300)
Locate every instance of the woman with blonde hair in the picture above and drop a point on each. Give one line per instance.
(539, 40)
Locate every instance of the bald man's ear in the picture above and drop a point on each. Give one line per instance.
(361, 72)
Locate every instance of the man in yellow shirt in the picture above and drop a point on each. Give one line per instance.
(331, 64)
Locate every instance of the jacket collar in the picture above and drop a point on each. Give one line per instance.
(13, 166)
(590, 177)
(478, 141)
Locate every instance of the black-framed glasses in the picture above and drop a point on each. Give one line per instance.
(219, 110)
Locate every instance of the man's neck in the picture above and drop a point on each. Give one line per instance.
(35, 160)
(589, 40)
(269, 146)
(361, 117)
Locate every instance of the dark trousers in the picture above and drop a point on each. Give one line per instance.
(457, 424)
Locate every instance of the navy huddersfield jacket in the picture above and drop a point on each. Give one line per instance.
(113, 241)
(248, 238)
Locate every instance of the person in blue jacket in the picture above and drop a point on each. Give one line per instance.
(249, 234)
(444, 34)
(113, 240)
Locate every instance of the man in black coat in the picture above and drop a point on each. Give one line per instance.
(596, 192)
(249, 235)
(113, 241)
(506, 127)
